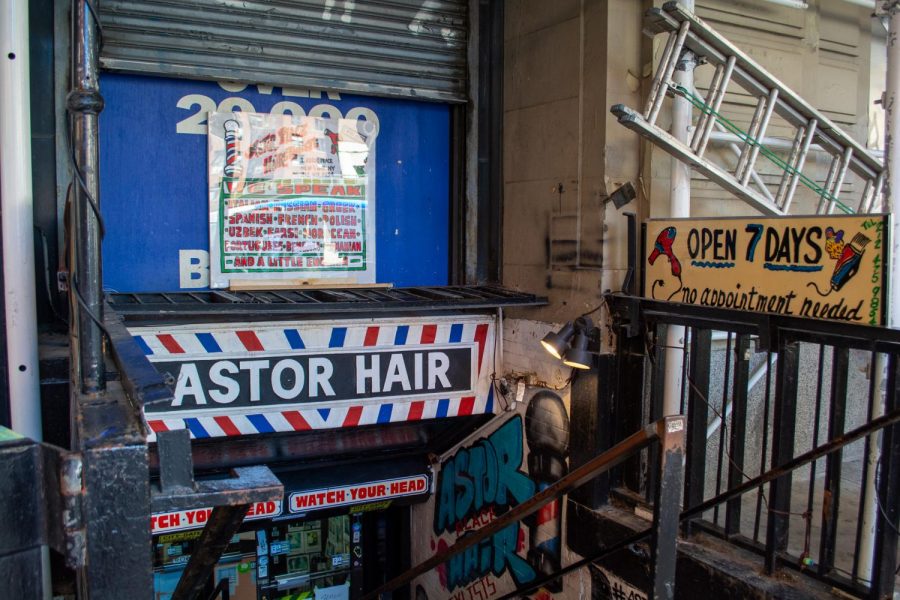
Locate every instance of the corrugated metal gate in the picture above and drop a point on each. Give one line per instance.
(414, 49)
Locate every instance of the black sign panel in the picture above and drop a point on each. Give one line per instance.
(294, 378)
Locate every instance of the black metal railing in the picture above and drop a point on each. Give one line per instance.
(759, 391)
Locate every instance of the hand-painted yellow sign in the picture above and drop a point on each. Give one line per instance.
(824, 267)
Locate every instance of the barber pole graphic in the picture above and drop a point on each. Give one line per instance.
(235, 351)
(232, 166)
(547, 434)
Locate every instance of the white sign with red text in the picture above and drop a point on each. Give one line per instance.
(181, 520)
(345, 495)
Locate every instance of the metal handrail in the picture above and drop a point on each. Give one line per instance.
(641, 323)
(222, 591)
(802, 460)
(670, 433)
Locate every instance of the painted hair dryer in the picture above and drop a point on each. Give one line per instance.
(663, 245)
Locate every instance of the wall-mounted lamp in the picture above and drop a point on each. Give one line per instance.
(624, 194)
(572, 342)
(556, 342)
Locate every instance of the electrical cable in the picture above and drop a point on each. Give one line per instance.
(79, 177)
(48, 288)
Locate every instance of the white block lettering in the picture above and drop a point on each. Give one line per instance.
(189, 384)
(299, 379)
(373, 374)
(218, 377)
(254, 367)
(193, 269)
(396, 373)
(438, 365)
(320, 371)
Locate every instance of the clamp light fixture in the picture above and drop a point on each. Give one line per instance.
(556, 342)
(570, 343)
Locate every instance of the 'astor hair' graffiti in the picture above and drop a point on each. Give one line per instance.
(485, 476)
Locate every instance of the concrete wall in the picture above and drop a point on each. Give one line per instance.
(566, 63)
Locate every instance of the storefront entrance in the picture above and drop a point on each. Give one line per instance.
(291, 559)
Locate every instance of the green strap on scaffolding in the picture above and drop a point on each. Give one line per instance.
(731, 127)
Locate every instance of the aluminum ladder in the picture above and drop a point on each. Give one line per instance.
(686, 32)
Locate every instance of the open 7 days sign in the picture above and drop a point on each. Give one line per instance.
(244, 380)
(822, 267)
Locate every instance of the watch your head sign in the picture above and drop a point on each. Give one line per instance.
(823, 267)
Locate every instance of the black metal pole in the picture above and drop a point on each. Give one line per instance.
(840, 365)
(738, 432)
(783, 428)
(84, 103)
(697, 419)
(888, 494)
(663, 540)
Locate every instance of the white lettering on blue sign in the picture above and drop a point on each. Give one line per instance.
(193, 269)
(195, 123)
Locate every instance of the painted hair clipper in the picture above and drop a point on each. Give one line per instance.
(848, 263)
(663, 245)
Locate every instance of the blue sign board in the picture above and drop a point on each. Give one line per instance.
(153, 177)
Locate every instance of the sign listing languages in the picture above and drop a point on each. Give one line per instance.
(290, 198)
(293, 225)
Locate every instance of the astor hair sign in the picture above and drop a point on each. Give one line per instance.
(231, 379)
(822, 267)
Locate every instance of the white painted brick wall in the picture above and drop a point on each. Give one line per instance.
(523, 353)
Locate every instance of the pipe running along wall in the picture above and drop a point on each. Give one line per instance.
(18, 221)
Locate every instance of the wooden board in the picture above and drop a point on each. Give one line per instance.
(301, 284)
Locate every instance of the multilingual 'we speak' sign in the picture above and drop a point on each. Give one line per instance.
(824, 267)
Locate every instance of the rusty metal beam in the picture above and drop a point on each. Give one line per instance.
(222, 525)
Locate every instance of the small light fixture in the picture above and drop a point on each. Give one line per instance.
(622, 195)
(578, 356)
(571, 343)
(556, 343)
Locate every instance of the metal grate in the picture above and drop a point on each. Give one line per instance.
(319, 301)
(375, 47)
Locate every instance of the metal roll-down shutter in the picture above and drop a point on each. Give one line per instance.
(414, 49)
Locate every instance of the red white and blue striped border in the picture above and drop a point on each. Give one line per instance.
(232, 340)
(238, 341)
